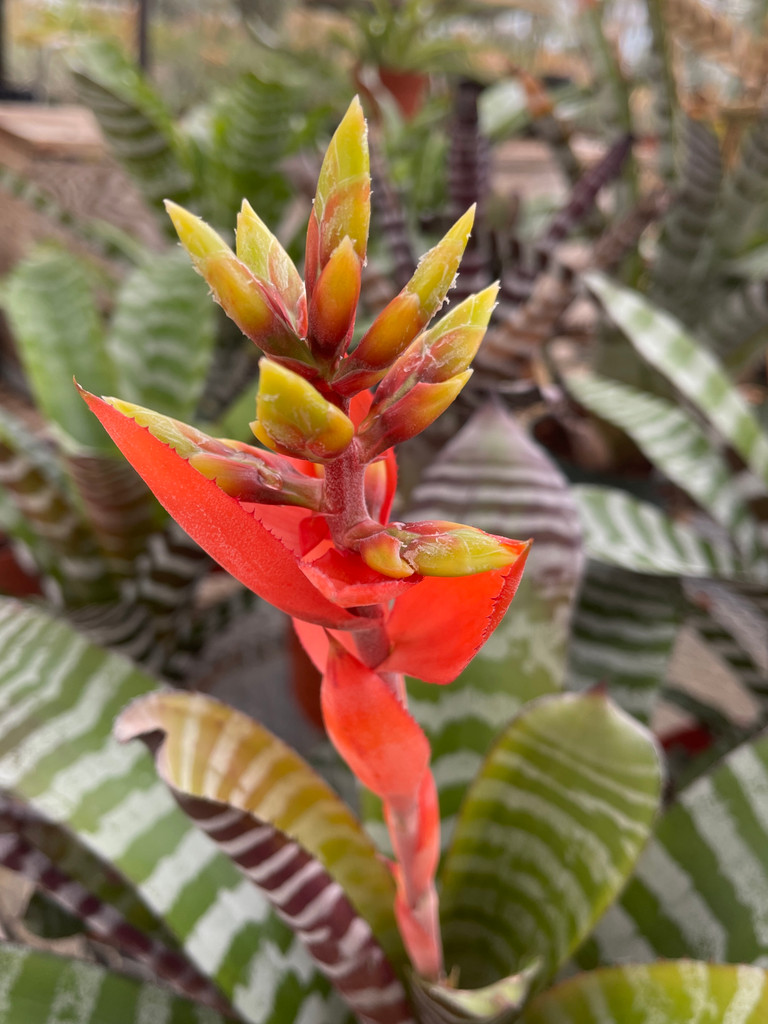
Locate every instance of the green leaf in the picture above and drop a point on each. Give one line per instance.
(673, 441)
(53, 315)
(674, 993)
(547, 836)
(47, 519)
(685, 251)
(59, 696)
(622, 530)
(701, 887)
(664, 343)
(624, 630)
(741, 218)
(40, 988)
(136, 123)
(162, 334)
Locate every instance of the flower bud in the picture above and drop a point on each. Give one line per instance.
(293, 418)
(240, 470)
(452, 549)
(334, 302)
(267, 260)
(405, 417)
(254, 305)
(250, 478)
(342, 202)
(400, 321)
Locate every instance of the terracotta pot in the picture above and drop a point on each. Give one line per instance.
(407, 87)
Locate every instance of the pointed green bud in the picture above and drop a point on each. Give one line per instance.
(442, 352)
(436, 548)
(342, 202)
(267, 260)
(408, 313)
(452, 549)
(334, 303)
(293, 418)
(250, 478)
(407, 416)
(240, 470)
(254, 305)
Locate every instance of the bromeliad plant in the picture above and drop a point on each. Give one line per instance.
(304, 522)
(562, 804)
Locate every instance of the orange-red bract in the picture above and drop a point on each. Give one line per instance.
(377, 737)
(248, 540)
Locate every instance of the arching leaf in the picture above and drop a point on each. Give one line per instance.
(41, 988)
(59, 696)
(547, 836)
(701, 887)
(673, 993)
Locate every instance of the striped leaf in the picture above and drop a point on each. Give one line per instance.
(53, 315)
(289, 833)
(41, 988)
(547, 836)
(59, 696)
(673, 441)
(493, 476)
(48, 521)
(624, 630)
(685, 250)
(101, 920)
(741, 219)
(701, 887)
(663, 343)
(674, 993)
(135, 122)
(622, 530)
(161, 335)
(213, 753)
(734, 324)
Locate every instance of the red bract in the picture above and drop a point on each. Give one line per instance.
(304, 523)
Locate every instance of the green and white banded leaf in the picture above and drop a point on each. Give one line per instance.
(701, 887)
(47, 521)
(101, 920)
(665, 993)
(734, 622)
(162, 334)
(664, 344)
(624, 630)
(735, 324)
(685, 250)
(135, 122)
(494, 476)
(547, 836)
(42, 988)
(59, 696)
(622, 530)
(674, 442)
(742, 217)
(50, 304)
